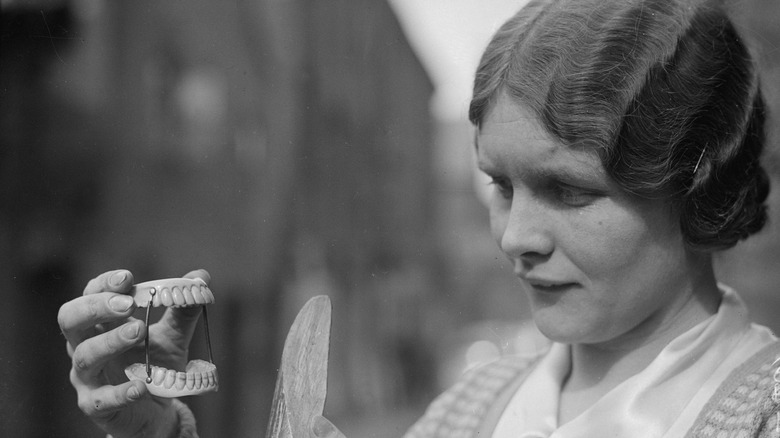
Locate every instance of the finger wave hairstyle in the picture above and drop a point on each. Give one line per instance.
(664, 90)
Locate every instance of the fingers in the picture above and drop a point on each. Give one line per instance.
(177, 326)
(321, 427)
(77, 318)
(104, 304)
(90, 356)
(102, 402)
(119, 281)
(199, 273)
(128, 410)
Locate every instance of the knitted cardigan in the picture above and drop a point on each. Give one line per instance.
(747, 404)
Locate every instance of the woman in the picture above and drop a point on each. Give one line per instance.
(623, 139)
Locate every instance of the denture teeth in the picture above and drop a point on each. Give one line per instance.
(158, 375)
(200, 377)
(207, 293)
(165, 297)
(188, 298)
(170, 378)
(181, 380)
(178, 299)
(172, 292)
(197, 296)
(162, 291)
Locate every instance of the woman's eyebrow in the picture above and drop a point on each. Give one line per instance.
(562, 173)
(570, 174)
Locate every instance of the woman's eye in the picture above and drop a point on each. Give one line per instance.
(574, 196)
(503, 186)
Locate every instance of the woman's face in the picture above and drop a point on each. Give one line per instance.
(597, 263)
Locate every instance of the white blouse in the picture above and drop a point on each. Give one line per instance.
(663, 400)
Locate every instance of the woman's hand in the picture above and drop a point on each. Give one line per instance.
(103, 338)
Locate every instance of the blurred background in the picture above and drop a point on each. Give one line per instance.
(292, 148)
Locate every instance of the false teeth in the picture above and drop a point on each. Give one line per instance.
(199, 377)
(172, 292)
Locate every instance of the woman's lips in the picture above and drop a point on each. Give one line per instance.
(551, 287)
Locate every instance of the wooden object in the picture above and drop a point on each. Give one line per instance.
(301, 384)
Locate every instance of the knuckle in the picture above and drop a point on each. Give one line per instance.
(93, 309)
(85, 404)
(97, 406)
(81, 363)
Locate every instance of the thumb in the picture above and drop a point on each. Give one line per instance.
(322, 428)
(199, 273)
(178, 323)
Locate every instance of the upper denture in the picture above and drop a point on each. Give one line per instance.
(188, 298)
(165, 297)
(172, 292)
(197, 296)
(178, 298)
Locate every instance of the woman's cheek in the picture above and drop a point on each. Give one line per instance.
(498, 222)
(602, 247)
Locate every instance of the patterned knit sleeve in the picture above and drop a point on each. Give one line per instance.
(747, 404)
(459, 411)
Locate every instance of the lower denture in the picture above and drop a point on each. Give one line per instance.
(199, 377)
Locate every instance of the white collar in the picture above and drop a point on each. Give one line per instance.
(662, 400)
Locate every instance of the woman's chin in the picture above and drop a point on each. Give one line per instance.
(562, 328)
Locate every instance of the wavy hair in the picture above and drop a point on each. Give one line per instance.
(664, 90)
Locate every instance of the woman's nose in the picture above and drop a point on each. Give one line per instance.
(527, 231)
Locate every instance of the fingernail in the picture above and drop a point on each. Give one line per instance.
(131, 330)
(321, 427)
(132, 393)
(117, 278)
(120, 303)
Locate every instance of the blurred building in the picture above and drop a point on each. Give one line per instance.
(284, 146)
